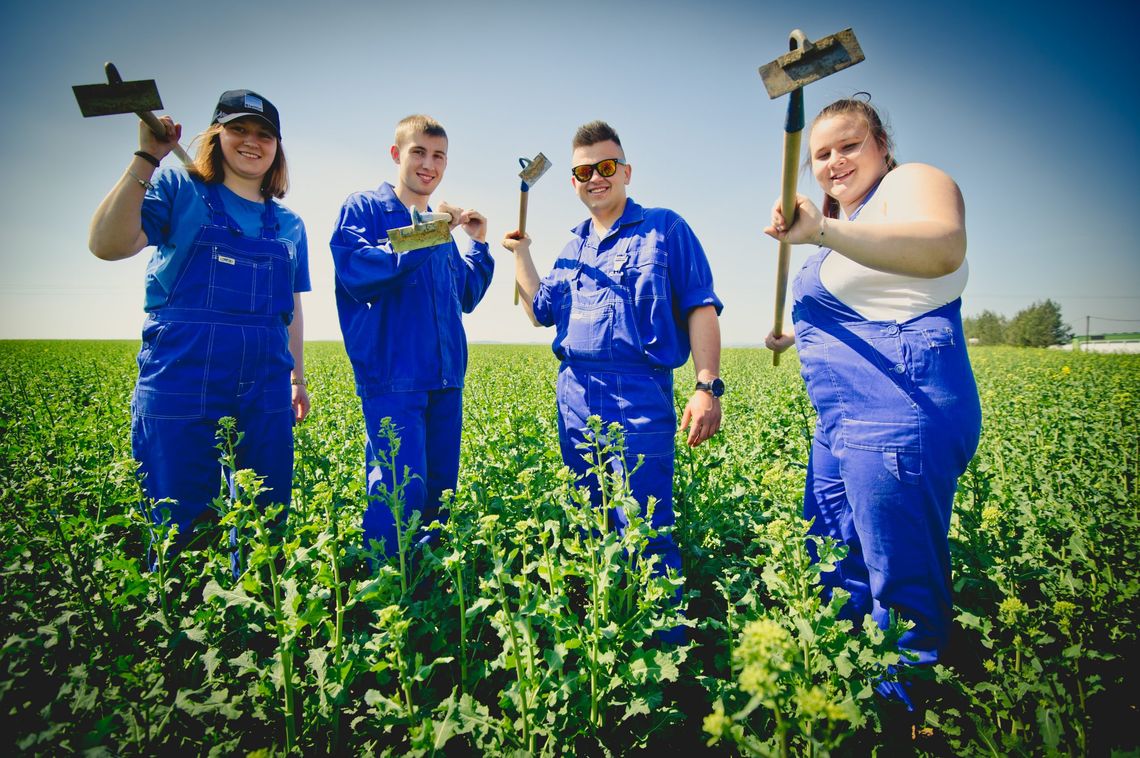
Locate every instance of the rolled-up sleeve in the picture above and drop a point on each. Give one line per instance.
(689, 271)
(543, 303)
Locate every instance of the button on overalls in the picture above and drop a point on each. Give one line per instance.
(218, 347)
(899, 421)
(605, 372)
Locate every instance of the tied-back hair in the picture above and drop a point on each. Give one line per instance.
(858, 105)
(209, 165)
(593, 133)
(418, 123)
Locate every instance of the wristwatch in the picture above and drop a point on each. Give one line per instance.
(714, 388)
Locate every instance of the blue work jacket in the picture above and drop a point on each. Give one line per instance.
(622, 302)
(401, 313)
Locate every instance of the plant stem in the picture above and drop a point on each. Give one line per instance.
(284, 653)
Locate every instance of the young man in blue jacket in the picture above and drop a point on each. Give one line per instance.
(401, 316)
(630, 295)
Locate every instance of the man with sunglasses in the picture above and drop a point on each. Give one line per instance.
(630, 295)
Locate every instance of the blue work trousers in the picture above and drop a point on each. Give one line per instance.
(642, 402)
(899, 420)
(179, 459)
(428, 425)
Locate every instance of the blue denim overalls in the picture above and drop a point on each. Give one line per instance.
(899, 420)
(218, 347)
(605, 372)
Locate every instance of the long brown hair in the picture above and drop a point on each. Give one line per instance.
(209, 165)
(861, 108)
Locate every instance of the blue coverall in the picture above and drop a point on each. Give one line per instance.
(621, 305)
(217, 346)
(401, 316)
(899, 420)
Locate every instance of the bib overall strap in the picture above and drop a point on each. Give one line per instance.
(270, 226)
(218, 215)
(866, 199)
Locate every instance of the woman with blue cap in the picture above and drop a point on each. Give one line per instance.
(878, 329)
(223, 332)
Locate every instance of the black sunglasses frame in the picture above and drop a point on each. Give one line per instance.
(595, 167)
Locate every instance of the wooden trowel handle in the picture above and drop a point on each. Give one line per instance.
(156, 126)
(522, 230)
(788, 208)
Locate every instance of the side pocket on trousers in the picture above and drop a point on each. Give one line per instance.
(906, 467)
(900, 443)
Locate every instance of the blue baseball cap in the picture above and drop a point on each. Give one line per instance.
(244, 103)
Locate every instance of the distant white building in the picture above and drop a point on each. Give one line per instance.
(1102, 346)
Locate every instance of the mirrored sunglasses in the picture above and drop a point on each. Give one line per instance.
(605, 169)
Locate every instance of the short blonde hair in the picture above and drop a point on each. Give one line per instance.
(418, 124)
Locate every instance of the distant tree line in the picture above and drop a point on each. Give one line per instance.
(1039, 325)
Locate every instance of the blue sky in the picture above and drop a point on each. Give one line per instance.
(1026, 105)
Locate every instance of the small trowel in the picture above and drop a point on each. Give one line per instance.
(116, 96)
(427, 230)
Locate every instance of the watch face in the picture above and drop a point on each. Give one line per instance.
(715, 387)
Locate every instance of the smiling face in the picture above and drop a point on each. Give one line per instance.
(846, 159)
(605, 197)
(421, 160)
(248, 148)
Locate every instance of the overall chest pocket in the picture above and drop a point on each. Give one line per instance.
(646, 275)
(241, 283)
(589, 324)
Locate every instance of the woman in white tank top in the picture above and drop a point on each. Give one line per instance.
(879, 335)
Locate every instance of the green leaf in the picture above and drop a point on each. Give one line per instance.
(478, 607)
(232, 597)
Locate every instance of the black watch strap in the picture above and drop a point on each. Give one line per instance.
(715, 387)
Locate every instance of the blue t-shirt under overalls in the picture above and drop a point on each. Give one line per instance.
(215, 343)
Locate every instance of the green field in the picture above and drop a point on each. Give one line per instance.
(527, 630)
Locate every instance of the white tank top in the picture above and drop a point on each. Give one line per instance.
(879, 296)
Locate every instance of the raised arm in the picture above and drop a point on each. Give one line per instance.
(916, 226)
(116, 228)
(525, 273)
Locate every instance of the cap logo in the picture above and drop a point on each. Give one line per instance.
(253, 102)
